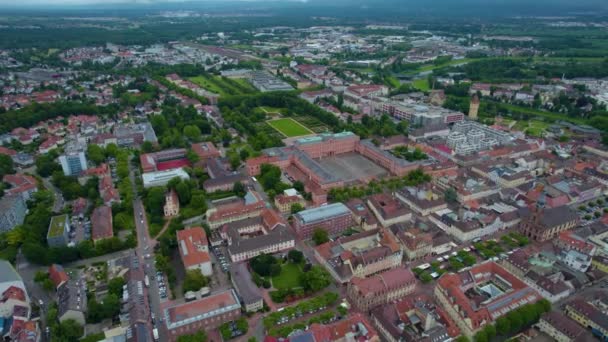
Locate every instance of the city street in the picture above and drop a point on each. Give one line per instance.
(144, 249)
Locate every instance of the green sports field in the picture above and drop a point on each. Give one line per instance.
(289, 127)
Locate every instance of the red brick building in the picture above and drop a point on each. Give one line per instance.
(334, 218)
(207, 313)
(57, 275)
(302, 160)
(480, 295)
(380, 289)
(205, 150)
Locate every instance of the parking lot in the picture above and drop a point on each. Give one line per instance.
(221, 256)
(162, 286)
(475, 253)
(80, 229)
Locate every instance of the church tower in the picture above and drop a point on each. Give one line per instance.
(474, 107)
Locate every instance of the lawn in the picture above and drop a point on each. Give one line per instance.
(204, 82)
(549, 117)
(223, 85)
(421, 84)
(532, 127)
(289, 277)
(289, 127)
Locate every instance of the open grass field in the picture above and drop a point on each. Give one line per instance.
(289, 277)
(223, 85)
(289, 127)
(550, 116)
(421, 84)
(532, 127)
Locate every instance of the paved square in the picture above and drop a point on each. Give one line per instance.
(351, 167)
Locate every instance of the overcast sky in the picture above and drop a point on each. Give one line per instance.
(482, 3)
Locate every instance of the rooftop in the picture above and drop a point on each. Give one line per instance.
(57, 225)
(241, 277)
(101, 221)
(215, 305)
(310, 216)
(384, 281)
(8, 272)
(192, 244)
(485, 292)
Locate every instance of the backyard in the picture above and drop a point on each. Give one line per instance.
(289, 277)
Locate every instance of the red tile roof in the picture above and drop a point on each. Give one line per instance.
(205, 150)
(57, 275)
(454, 286)
(13, 292)
(272, 219)
(20, 183)
(7, 151)
(99, 171)
(191, 243)
(235, 210)
(570, 241)
(385, 281)
(340, 329)
(198, 307)
(101, 221)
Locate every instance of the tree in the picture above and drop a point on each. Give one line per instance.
(147, 147)
(503, 326)
(6, 165)
(320, 236)
(244, 154)
(47, 284)
(46, 165)
(481, 336)
(69, 330)
(112, 149)
(490, 331)
(239, 189)
(295, 256)
(316, 279)
(462, 338)
(183, 192)
(270, 176)
(450, 195)
(515, 321)
(96, 154)
(298, 186)
(115, 286)
(194, 281)
(193, 158)
(41, 276)
(296, 208)
(160, 124)
(263, 265)
(155, 200)
(544, 304)
(199, 336)
(192, 132)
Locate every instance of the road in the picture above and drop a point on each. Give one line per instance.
(59, 201)
(144, 249)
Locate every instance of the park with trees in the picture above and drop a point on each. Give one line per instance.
(290, 277)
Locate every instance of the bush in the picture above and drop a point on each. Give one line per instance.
(265, 265)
